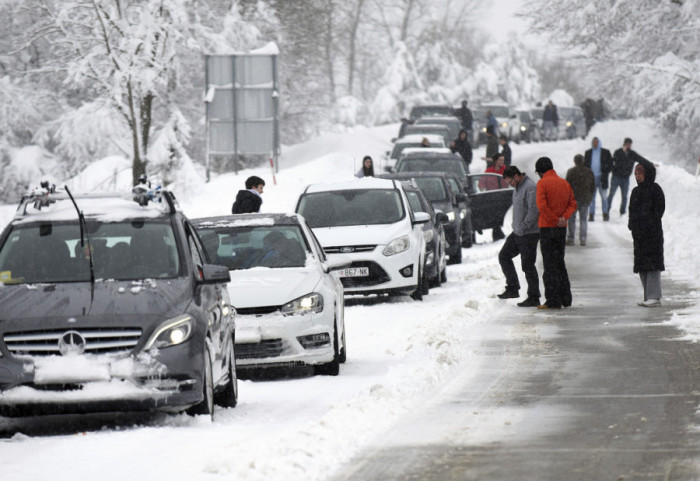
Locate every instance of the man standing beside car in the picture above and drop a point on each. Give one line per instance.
(599, 160)
(550, 121)
(249, 200)
(523, 240)
(556, 203)
(623, 164)
(464, 114)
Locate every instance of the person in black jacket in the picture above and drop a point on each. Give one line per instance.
(623, 164)
(464, 114)
(599, 160)
(647, 205)
(505, 149)
(462, 146)
(249, 200)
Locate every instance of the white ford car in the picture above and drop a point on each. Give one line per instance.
(290, 306)
(370, 221)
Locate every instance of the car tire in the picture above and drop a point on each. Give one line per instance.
(343, 353)
(206, 406)
(330, 368)
(418, 293)
(228, 396)
(457, 258)
(443, 275)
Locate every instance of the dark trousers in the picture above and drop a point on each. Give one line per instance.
(557, 290)
(524, 246)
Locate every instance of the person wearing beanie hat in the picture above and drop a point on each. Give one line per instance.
(647, 205)
(556, 203)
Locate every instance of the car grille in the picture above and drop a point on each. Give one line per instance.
(348, 249)
(260, 350)
(376, 276)
(46, 342)
(248, 311)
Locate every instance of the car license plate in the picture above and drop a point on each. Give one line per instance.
(354, 272)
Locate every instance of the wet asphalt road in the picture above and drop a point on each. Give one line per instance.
(604, 390)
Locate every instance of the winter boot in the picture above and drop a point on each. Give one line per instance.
(591, 217)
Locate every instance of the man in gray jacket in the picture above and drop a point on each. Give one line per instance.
(523, 240)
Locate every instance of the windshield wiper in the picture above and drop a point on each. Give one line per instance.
(84, 236)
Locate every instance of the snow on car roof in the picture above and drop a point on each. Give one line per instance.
(425, 150)
(413, 138)
(363, 183)
(244, 220)
(107, 208)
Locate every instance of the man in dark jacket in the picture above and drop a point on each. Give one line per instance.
(647, 205)
(249, 200)
(505, 149)
(599, 160)
(464, 114)
(623, 163)
(462, 146)
(582, 182)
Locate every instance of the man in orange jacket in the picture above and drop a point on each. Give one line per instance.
(556, 203)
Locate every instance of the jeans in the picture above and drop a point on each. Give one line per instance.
(624, 184)
(526, 247)
(557, 290)
(582, 210)
(603, 195)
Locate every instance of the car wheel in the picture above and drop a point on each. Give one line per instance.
(418, 293)
(457, 258)
(227, 397)
(443, 275)
(343, 354)
(435, 281)
(331, 368)
(206, 406)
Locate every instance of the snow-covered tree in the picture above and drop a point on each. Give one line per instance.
(640, 54)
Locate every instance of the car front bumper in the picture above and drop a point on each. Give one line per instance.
(387, 274)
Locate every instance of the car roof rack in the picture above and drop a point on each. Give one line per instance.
(142, 194)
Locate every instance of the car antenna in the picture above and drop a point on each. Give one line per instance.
(83, 237)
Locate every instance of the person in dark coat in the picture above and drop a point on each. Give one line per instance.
(582, 182)
(599, 160)
(491, 146)
(623, 164)
(464, 114)
(505, 149)
(462, 146)
(647, 205)
(249, 200)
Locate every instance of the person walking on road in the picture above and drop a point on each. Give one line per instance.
(249, 200)
(523, 240)
(623, 164)
(647, 205)
(582, 182)
(550, 121)
(599, 160)
(556, 203)
(505, 149)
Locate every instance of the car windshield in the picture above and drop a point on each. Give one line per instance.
(352, 207)
(245, 247)
(499, 110)
(524, 117)
(454, 186)
(433, 188)
(453, 166)
(418, 112)
(52, 252)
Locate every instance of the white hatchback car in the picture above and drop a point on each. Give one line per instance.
(290, 306)
(370, 221)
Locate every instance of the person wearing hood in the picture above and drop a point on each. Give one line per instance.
(646, 208)
(599, 160)
(462, 146)
(249, 200)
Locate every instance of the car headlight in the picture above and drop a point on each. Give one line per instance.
(396, 246)
(523, 128)
(504, 125)
(451, 215)
(429, 235)
(172, 332)
(462, 213)
(303, 305)
(569, 124)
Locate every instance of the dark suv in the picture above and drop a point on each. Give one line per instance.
(107, 303)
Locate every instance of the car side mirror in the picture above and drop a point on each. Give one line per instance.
(393, 140)
(215, 274)
(461, 197)
(388, 168)
(442, 218)
(421, 217)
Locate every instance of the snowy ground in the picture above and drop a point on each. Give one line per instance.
(398, 352)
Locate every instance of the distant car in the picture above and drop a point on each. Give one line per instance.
(505, 117)
(436, 187)
(452, 123)
(479, 129)
(419, 111)
(536, 113)
(528, 130)
(490, 197)
(435, 129)
(572, 123)
(109, 302)
(434, 231)
(433, 162)
(370, 221)
(290, 305)
(410, 141)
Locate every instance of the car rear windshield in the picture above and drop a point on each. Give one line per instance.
(433, 188)
(455, 166)
(53, 252)
(245, 247)
(352, 207)
(399, 147)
